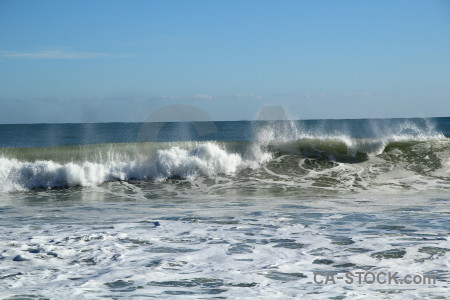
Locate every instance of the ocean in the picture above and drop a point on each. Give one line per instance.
(245, 209)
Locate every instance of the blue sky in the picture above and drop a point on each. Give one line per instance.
(103, 61)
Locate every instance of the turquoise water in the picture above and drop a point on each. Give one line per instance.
(223, 209)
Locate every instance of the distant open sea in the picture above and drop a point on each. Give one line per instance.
(201, 210)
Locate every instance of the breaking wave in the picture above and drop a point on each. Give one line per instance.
(301, 158)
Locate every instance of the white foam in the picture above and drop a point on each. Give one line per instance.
(205, 160)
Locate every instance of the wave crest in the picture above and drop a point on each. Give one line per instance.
(207, 159)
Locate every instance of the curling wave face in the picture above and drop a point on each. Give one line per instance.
(280, 158)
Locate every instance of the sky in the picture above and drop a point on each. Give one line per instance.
(120, 61)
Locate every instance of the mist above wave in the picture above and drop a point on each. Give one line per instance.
(370, 137)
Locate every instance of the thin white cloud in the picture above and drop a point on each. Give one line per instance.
(204, 96)
(368, 94)
(54, 54)
(190, 97)
(247, 96)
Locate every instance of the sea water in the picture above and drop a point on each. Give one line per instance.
(264, 209)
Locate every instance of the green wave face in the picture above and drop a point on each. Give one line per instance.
(333, 166)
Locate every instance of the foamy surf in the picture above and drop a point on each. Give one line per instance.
(262, 248)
